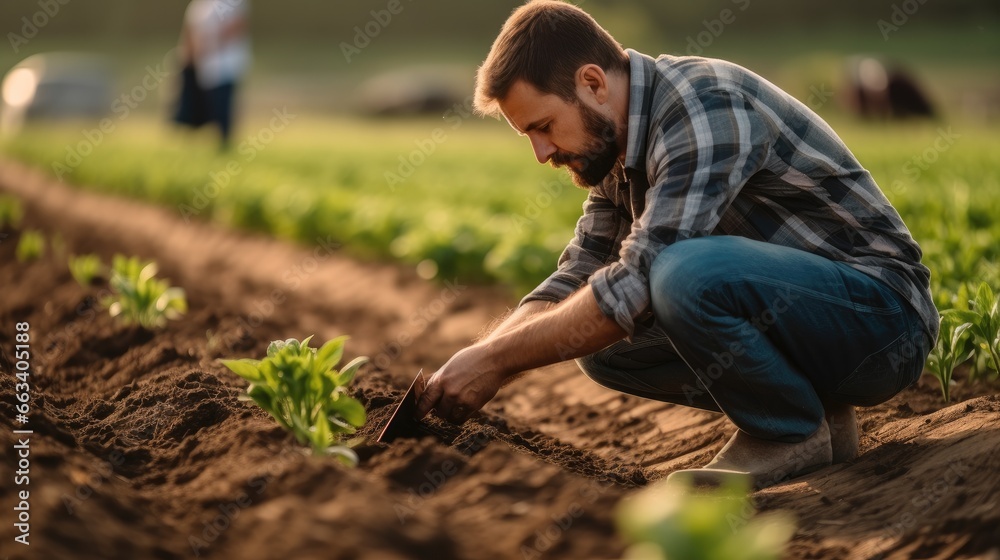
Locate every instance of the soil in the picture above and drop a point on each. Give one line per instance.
(141, 449)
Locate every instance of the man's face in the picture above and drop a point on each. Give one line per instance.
(564, 134)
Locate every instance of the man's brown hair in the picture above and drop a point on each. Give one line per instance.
(544, 42)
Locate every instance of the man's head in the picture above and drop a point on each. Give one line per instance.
(556, 76)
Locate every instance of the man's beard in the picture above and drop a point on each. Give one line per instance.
(601, 151)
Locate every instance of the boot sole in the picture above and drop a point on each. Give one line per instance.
(716, 478)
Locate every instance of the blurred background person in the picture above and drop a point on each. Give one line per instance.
(215, 55)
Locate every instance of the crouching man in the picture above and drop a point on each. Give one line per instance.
(732, 255)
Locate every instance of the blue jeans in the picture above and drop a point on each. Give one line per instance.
(765, 334)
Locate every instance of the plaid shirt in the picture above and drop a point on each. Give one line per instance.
(714, 149)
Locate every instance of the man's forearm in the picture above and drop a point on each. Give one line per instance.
(520, 316)
(573, 328)
(535, 335)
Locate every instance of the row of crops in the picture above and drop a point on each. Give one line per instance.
(466, 198)
(463, 198)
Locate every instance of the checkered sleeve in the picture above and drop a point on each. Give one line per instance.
(700, 154)
(590, 249)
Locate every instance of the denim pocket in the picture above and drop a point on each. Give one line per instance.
(886, 372)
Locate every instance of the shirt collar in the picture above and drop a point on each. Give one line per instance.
(642, 75)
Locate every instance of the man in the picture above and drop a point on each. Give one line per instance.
(732, 255)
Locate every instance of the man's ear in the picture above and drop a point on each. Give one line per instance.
(591, 81)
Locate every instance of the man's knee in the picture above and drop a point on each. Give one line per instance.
(688, 271)
(699, 260)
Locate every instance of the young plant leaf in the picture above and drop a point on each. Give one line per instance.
(953, 348)
(300, 388)
(347, 372)
(85, 268)
(344, 454)
(246, 368)
(348, 408)
(139, 298)
(329, 354)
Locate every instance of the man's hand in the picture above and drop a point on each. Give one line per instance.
(473, 376)
(462, 386)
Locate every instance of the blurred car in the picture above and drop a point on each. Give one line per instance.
(55, 86)
(883, 90)
(414, 90)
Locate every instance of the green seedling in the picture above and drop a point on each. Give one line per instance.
(85, 268)
(139, 298)
(11, 212)
(305, 393)
(980, 365)
(953, 347)
(984, 325)
(31, 246)
(670, 519)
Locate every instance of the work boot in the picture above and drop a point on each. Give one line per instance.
(766, 462)
(843, 421)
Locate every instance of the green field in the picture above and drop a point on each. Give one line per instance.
(460, 192)
(467, 196)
